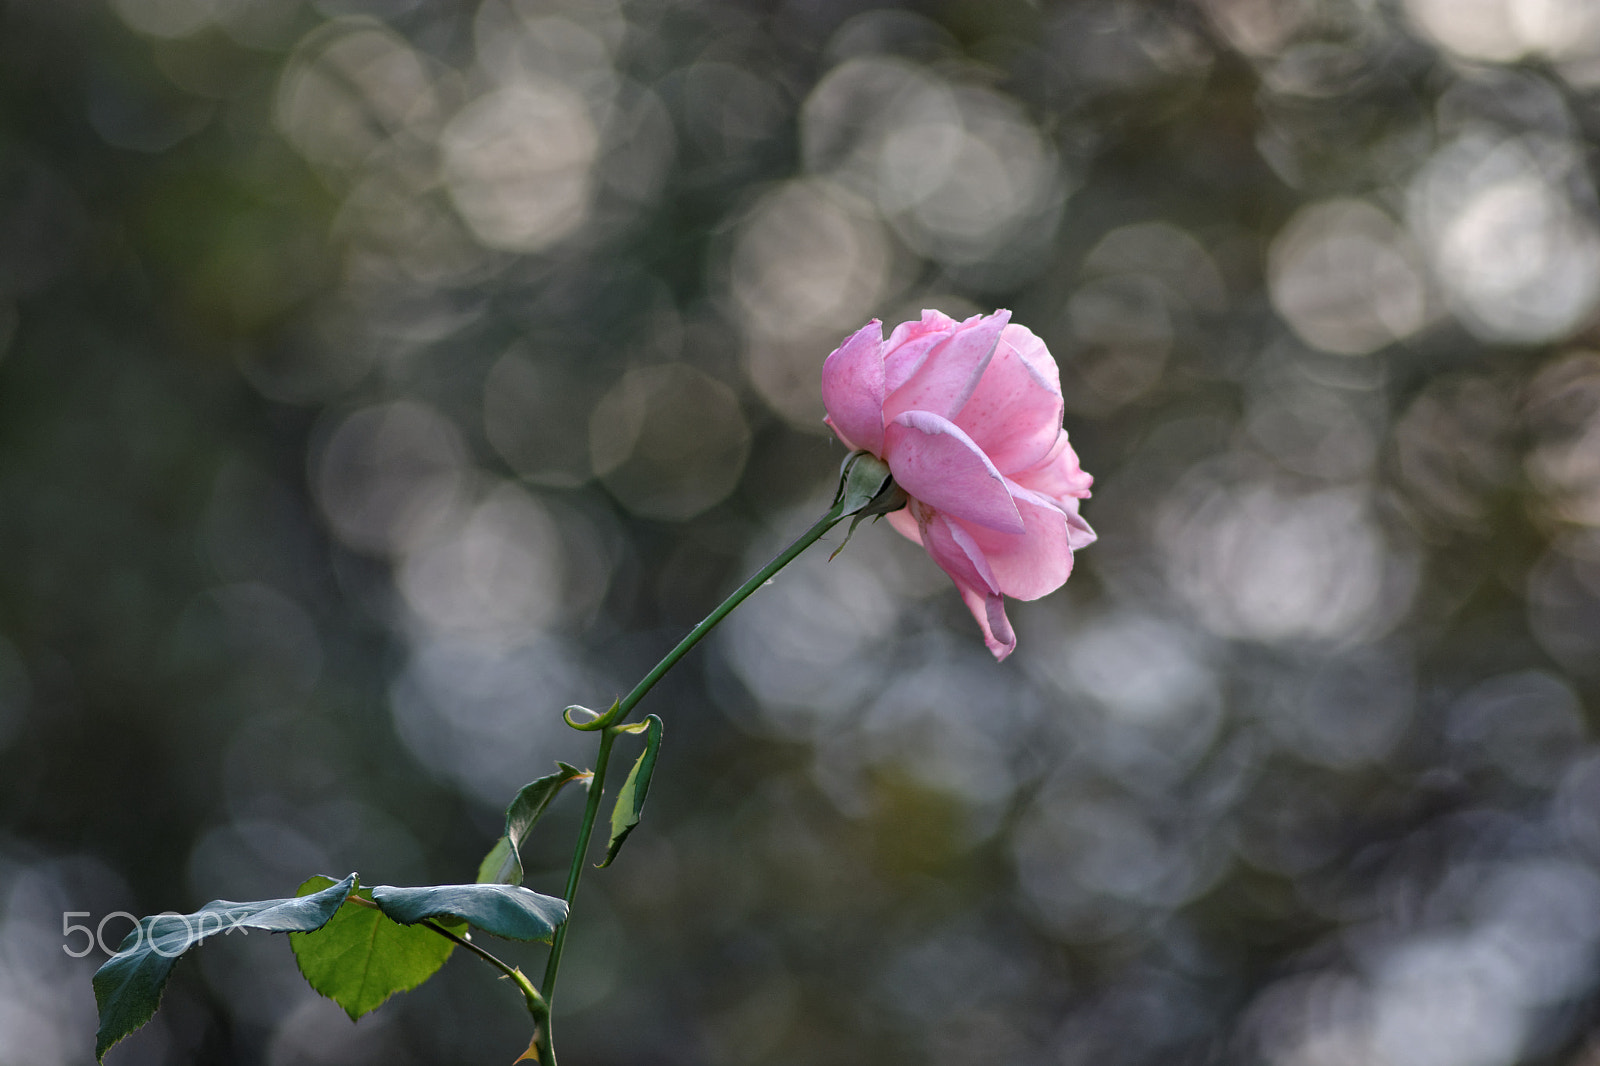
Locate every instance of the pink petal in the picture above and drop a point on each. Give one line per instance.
(1058, 475)
(909, 344)
(1036, 562)
(1079, 535)
(905, 524)
(956, 552)
(990, 611)
(902, 360)
(947, 376)
(853, 391)
(938, 464)
(1014, 414)
(930, 322)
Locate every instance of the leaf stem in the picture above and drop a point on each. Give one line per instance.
(536, 1003)
(625, 707)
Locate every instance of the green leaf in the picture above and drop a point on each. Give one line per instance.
(630, 798)
(127, 989)
(866, 490)
(863, 477)
(510, 911)
(361, 957)
(503, 864)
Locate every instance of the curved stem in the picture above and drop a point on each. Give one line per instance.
(739, 595)
(625, 707)
(536, 1002)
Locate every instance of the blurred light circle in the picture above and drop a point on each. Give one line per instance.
(534, 417)
(1563, 407)
(808, 253)
(1345, 278)
(347, 87)
(1540, 913)
(1513, 99)
(1312, 1019)
(1144, 670)
(968, 188)
(1501, 31)
(1160, 250)
(517, 40)
(384, 9)
(1522, 262)
(1142, 285)
(960, 172)
(497, 574)
(1473, 29)
(937, 976)
(810, 263)
(638, 145)
(1453, 448)
(950, 726)
(1560, 29)
(165, 18)
(1353, 709)
(314, 360)
(1517, 259)
(241, 858)
(1316, 431)
(1576, 804)
(727, 109)
(1527, 724)
(519, 163)
(918, 148)
(260, 24)
(388, 473)
(1259, 27)
(1124, 331)
(668, 441)
(1157, 696)
(860, 102)
(1121, 49)
(1447, 1000)
(1261, 562)
(310, 1035)
(806, 647)
(400, 232)
(1564, 604)
(1288, 822)
(482, 713)
(1093, 866)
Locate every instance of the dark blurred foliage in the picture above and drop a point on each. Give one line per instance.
(378, 377)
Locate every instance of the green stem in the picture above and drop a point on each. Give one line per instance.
(761, 577)
(575, 871)
(625, 707)
(536, 1003)
(591, 808)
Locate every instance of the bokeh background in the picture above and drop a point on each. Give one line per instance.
(378, 377)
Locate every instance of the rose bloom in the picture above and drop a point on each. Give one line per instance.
(968, 417)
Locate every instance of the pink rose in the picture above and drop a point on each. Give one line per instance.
(968, 417)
